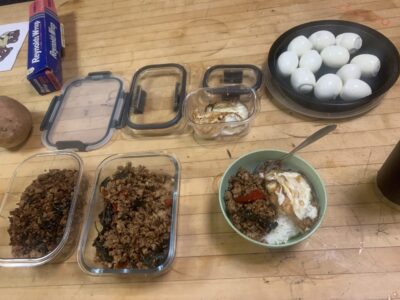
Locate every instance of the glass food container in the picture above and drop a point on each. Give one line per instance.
(155, 162)
(154, 103)
(23, 176)
(227, 102)
(221, 112)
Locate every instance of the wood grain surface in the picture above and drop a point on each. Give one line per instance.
(355, 253)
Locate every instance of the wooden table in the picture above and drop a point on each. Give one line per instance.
(354, 255)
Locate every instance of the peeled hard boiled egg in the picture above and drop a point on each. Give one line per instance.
(351, 41)
(349, 71)
(368, 63)
(300, 45)
(355, 89)
(311, 60)
(287, 63)
(302, 80)
(322, 39)
(328, 87)
(335, 56)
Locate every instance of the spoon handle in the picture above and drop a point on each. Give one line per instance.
(311, 139)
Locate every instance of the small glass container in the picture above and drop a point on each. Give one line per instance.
(221, 112)
(23, 176)
(155, 162)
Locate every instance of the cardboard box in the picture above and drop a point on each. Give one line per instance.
(44, 47)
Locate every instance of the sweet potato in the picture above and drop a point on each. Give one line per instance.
(15, 122)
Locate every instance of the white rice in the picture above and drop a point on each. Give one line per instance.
(285, 230)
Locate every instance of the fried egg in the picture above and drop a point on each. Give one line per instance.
(293, 188)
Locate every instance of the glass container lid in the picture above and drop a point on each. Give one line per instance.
(228, 75)
(86, 113)
(156, 96)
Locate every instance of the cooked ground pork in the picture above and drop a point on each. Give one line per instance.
(37, 224)
(136, 219)
(257, 217)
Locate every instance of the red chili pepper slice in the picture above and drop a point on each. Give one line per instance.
(251, 197)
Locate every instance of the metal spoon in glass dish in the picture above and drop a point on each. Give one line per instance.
(268, 165)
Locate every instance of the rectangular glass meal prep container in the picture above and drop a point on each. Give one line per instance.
(156, 162)
(23, 176)
(226, 103)
(198, 102)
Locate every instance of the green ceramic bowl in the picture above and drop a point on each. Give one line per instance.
(250, 161)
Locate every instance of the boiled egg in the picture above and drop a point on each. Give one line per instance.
(368, 63)
(287, 63)
(322, 39)
(300, 45)
(335, 56)
(355, 89)
(349, 71)
(351, 41)
(302, 80)
(328, 87)
(311, 60)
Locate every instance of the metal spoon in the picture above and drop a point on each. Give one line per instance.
(309, 140)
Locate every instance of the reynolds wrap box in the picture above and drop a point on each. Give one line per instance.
(44, 47)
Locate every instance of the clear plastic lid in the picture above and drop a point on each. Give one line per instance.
(227, 75)
(84, 116)
(156, 96)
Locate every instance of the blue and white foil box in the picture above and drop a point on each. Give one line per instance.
(44, 47)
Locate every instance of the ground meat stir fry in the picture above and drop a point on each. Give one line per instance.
(136, 219)
(248, 205)
(37, 224)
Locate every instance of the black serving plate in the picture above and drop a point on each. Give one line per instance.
(373, 43)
